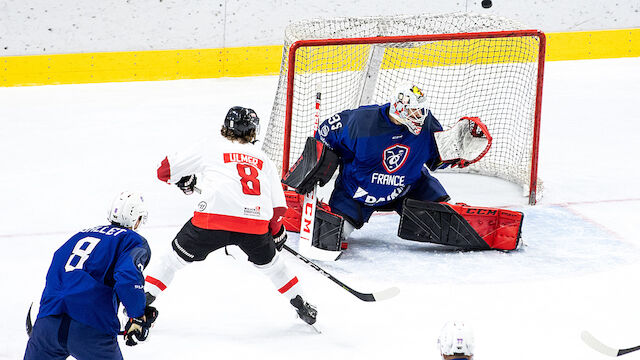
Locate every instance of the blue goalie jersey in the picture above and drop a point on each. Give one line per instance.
(92, 272)
(380, 160)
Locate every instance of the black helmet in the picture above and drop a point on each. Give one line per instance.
(241, 121)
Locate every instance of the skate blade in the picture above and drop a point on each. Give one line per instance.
(315, 328)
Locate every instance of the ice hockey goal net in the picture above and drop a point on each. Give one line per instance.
(468, 65)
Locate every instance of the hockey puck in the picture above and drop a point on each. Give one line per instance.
(486, 4)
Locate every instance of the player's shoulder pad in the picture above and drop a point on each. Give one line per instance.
(370, 120)
(139, 250)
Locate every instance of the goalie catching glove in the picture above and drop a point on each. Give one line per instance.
(464, 143)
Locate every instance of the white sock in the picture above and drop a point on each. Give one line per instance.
(285, 282)
(161, 273)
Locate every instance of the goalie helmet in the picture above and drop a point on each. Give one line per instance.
(456, 339)
(241, 121)
(409, 107)
(126, 209)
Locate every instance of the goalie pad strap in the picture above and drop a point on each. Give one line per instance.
(460, 225)
(316, 165)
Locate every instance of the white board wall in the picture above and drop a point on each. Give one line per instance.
(38, 27)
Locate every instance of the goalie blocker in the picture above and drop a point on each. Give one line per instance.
(316, 165)
(460, 225)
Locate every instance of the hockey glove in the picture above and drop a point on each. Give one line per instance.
(150, 316)
(187, 184)
(280, 238)
(466, 142)
(135, 331)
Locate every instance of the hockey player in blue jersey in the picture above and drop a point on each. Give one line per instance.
(385, 154)
(89, 276)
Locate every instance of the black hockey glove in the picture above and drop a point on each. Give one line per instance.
(150, 316)
(187, 184)
(135, 331)
(280, 238)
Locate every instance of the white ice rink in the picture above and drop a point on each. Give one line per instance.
(67, 149)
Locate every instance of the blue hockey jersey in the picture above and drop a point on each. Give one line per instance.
(380, 160)
(92, 272)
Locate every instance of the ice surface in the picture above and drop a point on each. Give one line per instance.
(66, 150)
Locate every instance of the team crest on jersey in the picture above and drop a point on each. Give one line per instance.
(394, 157)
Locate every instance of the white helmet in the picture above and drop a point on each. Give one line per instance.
(456, 339)
(126, 209)
(409, 107)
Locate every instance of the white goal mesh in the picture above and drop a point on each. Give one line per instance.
(468, 65)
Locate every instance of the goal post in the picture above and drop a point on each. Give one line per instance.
(468, 65)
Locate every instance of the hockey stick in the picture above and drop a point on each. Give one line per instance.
(309, 206)
(596, 345)
(376, 296)
(29, 321)
(307, 223)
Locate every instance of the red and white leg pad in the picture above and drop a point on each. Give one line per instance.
(499, 228)
(460, 225)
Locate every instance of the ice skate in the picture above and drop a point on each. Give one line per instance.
(306, 311)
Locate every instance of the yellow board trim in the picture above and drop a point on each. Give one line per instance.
(139, 66)
(248, 61)
(593, 44)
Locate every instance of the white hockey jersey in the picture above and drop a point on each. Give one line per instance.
(239, 184)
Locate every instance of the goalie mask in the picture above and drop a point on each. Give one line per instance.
(128, 210)
(408, 106)
(456, 341)
(241, 121)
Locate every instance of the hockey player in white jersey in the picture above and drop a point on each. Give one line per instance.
(241, 203)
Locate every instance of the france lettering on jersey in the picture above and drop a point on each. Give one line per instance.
(381, 160)
(240, 186)
(94, 270)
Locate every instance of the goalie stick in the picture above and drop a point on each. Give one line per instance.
(376, 296)
(596, 345)
(309, 207)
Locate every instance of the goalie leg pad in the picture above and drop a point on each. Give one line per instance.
(292, 216)
(500, 228)
(437, 223)
(316, 165)
(460, 225)
(327, 231)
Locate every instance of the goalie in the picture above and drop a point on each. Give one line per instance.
(385, 154)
